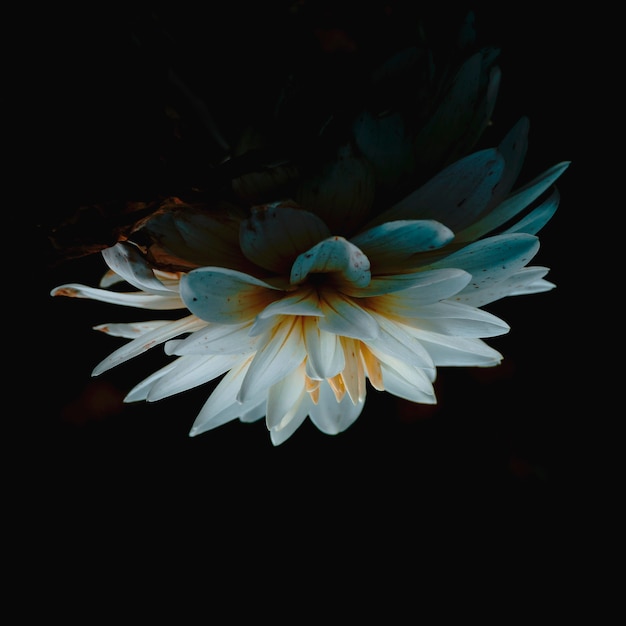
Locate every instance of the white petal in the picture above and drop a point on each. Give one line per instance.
(325, 357)
(222, 405)
(433, 284)
(344, 317)
(540, 286)
(455, 196)
(126, 261)
(457, 351)
(428, 287)
(137, 299)
(282, 352)
(392, 243)
(455, 319)
(395, 341)
(333, 255)
(332, 417)
(191, 371)
(225, 296)
(280, 436)
(302, 302)
(407, 381)
(275, 234)
(513, 204)
(130, 330)
(353, 373)
(142, 389)
(147, 341)
(217, 339)
(284, 398)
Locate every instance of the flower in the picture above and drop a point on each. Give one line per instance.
(296, 317)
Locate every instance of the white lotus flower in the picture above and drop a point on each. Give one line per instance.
(298, 318)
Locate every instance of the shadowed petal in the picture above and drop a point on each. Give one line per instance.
(333, 255)
(455, 196)
(538, 217)
(513, 204)
(126, 261)
(224, 296)
(276, 234)
(492, 260)
(392, 243)
(526, 281)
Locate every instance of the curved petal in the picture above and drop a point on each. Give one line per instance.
(456, 351)
(449, 281)
(303, 302)
(455, 196)
(428, 287)
(332, 417)
(538, 217)
(282, 351)
(137, 299)
(491, 260)
(280, 436)
(147, 341)
(325, 357)
(191, 371)
(456, 319)
(217, 339)
(335, 254)
(126, 261)
(225, 296)
(131, 330)
(344, 317)
(385, 141)
(342, 193)
(196, 238)
(512, 205)
(396, 342)
(513, 149)
(526, 281)
(275, 234)
(392, 243)
(353, 373)
(222, 406)
(284, 398)
(407, 381)
(141, 390)
(454, 116)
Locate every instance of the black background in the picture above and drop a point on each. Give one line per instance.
(516, 445)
